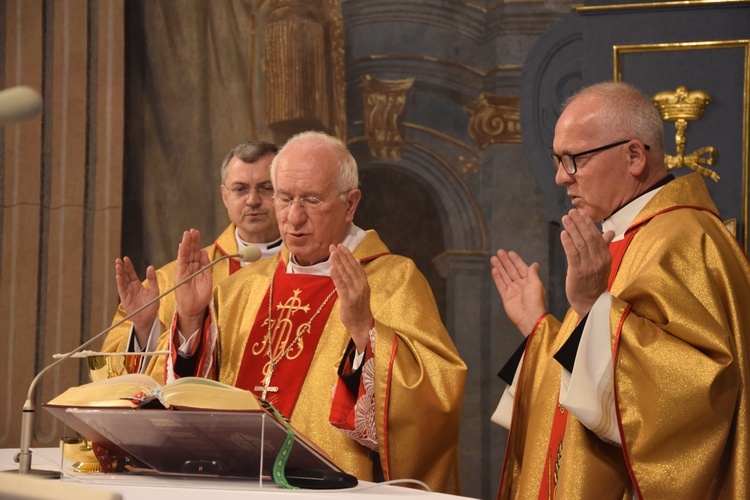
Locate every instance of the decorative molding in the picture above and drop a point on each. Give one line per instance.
(494, 120)
(428, 72)
(383, 102)
(455, 17)
(429, 59)
(660, 5)
(443, 136)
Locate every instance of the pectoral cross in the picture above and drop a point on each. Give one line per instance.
(267, 387)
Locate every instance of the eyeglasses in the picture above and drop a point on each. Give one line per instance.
(240, 191)
(569, 161)
(306, 203)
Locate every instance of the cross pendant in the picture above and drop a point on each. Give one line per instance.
(267, 387)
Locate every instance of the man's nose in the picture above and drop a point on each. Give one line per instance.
(562, 177)
(296, 214)
(253, 198)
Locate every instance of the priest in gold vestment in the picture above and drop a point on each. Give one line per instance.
(341, 336)
(246, 191)
(642, 390)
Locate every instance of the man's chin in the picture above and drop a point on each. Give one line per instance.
(253, 227)
(303, 254)
(595, 215)
(581, 206)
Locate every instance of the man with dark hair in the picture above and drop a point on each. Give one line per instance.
(247, 192)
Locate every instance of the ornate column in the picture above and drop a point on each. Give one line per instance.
(466, 274)
(295, 61)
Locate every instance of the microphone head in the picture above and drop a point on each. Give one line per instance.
(18, 103)
(250, 253)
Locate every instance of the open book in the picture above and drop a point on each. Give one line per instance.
(219, 430)
(135, 390)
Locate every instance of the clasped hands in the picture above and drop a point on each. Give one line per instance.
(589, 262)
(347, 273)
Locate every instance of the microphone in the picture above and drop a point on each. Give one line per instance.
(23, 457)
(18, 104)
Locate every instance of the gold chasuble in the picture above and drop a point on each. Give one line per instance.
(117, 339)
(418, 375)
(678, 328)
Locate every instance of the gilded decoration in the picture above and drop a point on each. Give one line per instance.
(494, 120)
(295, 64)
(468, 164)
(740, 76)
(681, 106)
(332, 9)
(384, 100)
(673, 4)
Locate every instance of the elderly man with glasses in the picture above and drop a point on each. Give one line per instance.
(247, 193)
(642, 390)
(389, 407)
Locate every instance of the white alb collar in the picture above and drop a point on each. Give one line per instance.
(353, 238)
(266, 249)
(620, 221)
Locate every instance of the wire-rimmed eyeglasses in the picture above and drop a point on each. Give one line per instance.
(240, 190)
(283, 201)
(569, 161)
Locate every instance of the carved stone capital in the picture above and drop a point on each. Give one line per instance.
(384, 101)
(494, 120)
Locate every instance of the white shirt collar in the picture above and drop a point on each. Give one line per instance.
(266, 249)
(351, 241)
(620, 221)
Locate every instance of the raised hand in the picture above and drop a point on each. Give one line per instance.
(589, 260)
(354, 295)
(193, 297)
(134, 295)
(521, 289)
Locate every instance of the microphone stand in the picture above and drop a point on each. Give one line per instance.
(23, 457)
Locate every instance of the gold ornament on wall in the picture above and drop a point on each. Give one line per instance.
(681, 106)
(296, 92)
(468, 164)
(384, 101)
(494, 120)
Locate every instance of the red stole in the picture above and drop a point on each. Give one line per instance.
(617, 251)
(559, 421)
(234, 263)
(234, 266)
(297, 298)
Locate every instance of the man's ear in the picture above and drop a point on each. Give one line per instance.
(352, 200)
(224, 194)
(637, 159)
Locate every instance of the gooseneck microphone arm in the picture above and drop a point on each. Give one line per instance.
(23, 458)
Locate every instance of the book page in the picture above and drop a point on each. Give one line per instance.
(111, 392)
(196, 392)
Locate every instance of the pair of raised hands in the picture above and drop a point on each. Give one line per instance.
(589, 263)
